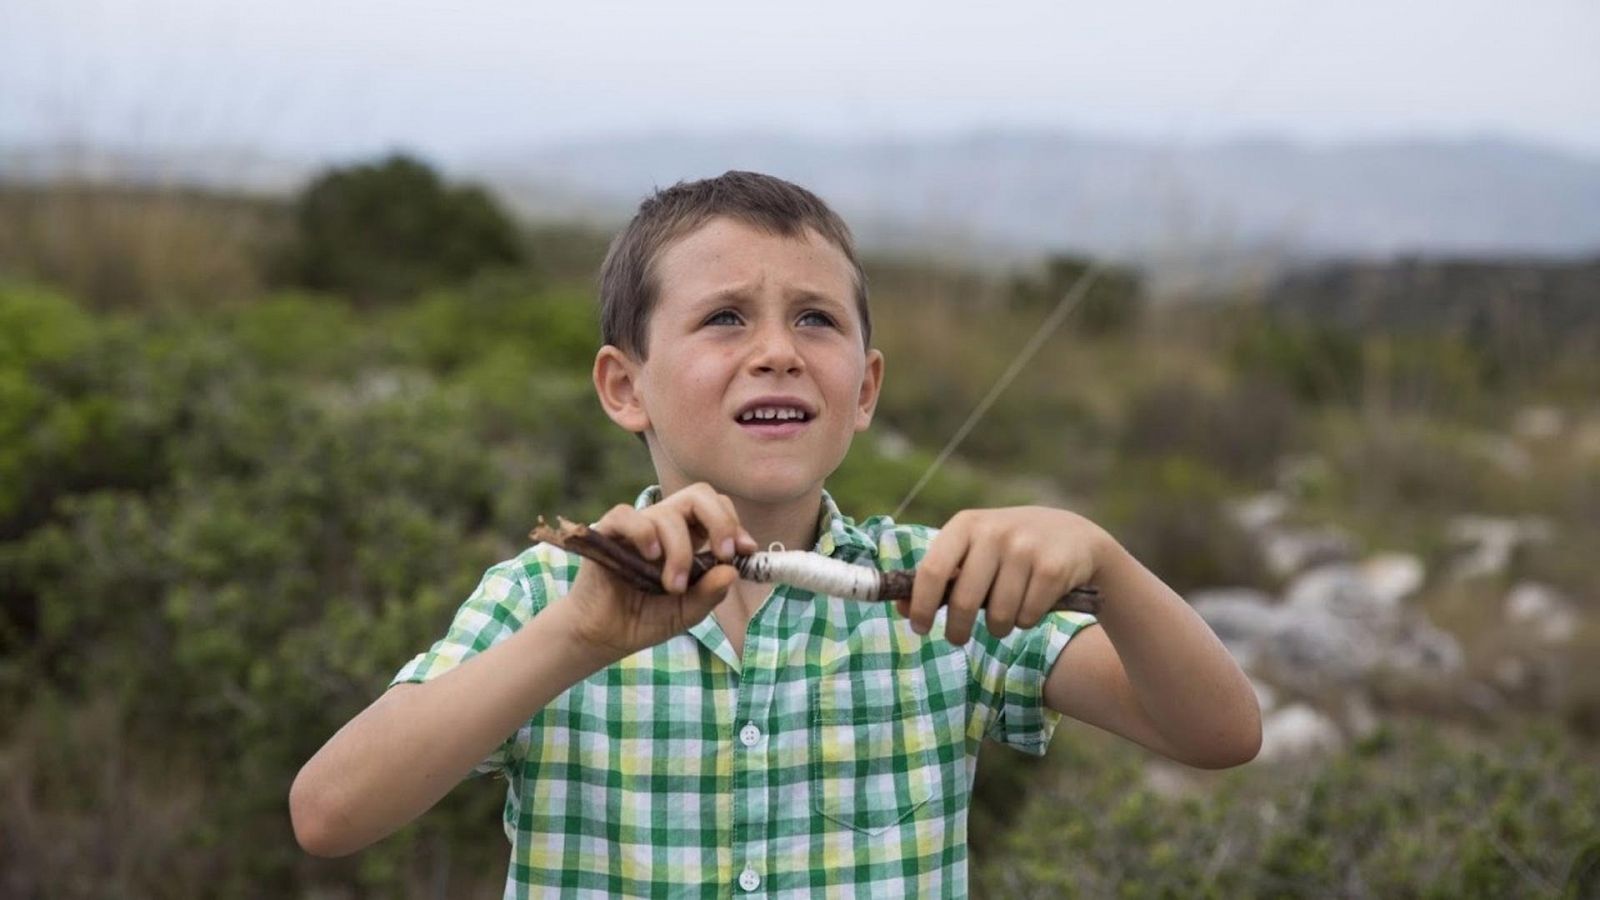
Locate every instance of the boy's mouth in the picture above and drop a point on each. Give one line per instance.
(774, 417)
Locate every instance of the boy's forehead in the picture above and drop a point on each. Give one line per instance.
(725, 255)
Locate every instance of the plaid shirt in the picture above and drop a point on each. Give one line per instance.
(834, 758)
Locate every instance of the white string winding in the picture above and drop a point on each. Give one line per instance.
(812, 572)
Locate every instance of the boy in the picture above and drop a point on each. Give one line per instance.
(724, 738)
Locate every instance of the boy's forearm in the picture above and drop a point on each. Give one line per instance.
(1191, 689)
(403, 753)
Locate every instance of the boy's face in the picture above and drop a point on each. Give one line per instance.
(747, 325)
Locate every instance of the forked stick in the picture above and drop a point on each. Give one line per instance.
(802, 569)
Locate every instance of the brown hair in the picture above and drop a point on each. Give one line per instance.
(628, 286)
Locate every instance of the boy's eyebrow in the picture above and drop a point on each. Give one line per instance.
(739, 293)
(742, 294)
(805, 295)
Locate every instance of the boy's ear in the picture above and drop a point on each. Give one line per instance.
(616, 381)
(871, 382)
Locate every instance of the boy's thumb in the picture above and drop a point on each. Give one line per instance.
(711, 588)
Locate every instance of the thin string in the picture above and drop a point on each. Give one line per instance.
(1064, 307)
(1074, 295)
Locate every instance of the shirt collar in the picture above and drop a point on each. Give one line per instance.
(837, 534)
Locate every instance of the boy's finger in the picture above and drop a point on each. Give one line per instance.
(628, 524)
(707, 593)
(715, 583)
(1043, 591)
(1005, 598)
(971, 588)
(934, 574)
(740, 540)
(714, 514)
(677, 549)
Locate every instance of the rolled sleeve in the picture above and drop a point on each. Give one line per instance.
(504, 599)
(1008, 675)
(1015, 674)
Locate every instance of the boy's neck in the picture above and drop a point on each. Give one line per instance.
(794, 525)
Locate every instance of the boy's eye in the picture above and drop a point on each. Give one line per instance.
(723, 317)
(816, 317)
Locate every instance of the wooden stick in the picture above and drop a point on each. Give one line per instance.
(644, 575)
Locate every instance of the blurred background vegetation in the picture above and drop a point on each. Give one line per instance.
(254, 452)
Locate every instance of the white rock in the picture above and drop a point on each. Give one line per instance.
(1297, 474)
(1316, 651)
(1297, 730)
(1586, 443)
(1260, 511)
(1266, 697)
(1392, 577)
(1487, 542)
(1168, 780)
(1426, 648)
(1509, 456)
(1543, 610)
(1244, 619)
(892, 444)
(1241, 612)
(1289, 550)
(1361, 720)
(1342, 590)
(1539, 423)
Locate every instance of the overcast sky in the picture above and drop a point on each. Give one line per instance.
(344, 77)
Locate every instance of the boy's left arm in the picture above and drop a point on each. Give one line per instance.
(1153, 672)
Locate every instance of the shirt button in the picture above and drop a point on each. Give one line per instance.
(749, 735)
(749, 880)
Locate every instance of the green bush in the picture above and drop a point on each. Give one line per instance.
(1319, 364)
(387, 230)
(1171, 514)
(239, 526)
(1242, 431)
(1411, 812)
(1114, 302)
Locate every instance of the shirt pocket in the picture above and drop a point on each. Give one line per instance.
(874, 758)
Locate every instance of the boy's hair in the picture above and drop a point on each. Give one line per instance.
(628, 286)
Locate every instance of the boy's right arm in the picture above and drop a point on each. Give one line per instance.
(402, 754)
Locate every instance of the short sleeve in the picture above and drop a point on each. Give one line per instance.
(509, 594)
(1008, 675)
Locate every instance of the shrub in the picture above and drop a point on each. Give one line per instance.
(1411, 812)
(1319, 364)
(1170, 514)
(1114, 302)
(387, 230)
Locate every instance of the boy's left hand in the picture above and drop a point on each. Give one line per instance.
(1014, 563)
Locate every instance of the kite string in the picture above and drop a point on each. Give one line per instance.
(1064, 307)
(1248, 73)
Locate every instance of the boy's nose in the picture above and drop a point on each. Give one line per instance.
(775, 351)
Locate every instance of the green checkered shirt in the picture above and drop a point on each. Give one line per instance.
(835, 758)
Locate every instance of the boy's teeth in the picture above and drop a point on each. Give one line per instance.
(770, 414)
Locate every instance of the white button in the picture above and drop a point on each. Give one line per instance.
(749, 880)
(749, 734)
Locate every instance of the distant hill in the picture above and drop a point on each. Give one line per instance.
(1019, 193)
(1209, 210)
(1539, 303)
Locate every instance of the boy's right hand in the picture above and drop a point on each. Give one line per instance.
(617, 619)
